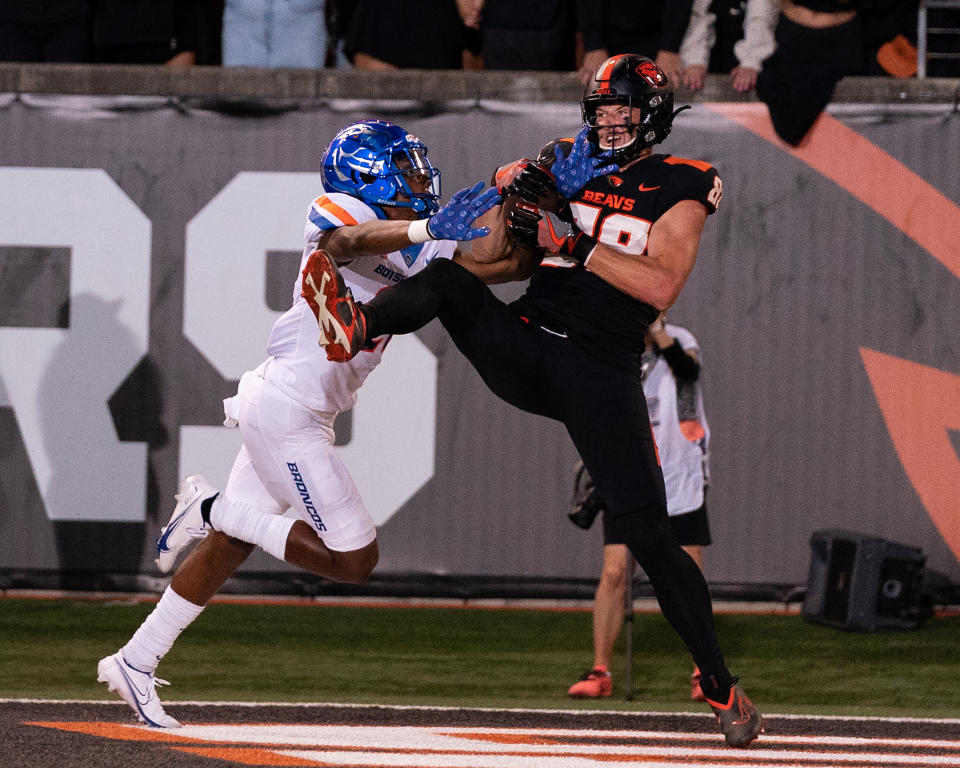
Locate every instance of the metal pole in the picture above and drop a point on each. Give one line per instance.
(628, 623)
(922, 41)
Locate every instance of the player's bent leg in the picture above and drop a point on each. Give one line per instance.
(130, 671)
(443, 290)
(308, 551)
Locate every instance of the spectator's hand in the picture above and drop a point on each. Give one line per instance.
(744, 78)
(452, 222)
(591, 61)
(182, 59)
(574, 171)
(693, 77)
(672, 65)
(470, 12)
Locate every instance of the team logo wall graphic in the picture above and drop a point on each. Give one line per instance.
(920, 405)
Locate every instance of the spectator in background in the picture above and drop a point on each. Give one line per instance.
(890, 37)
(45, 30)
(148, 32)
(670, 374)
(651, 28)
(818, 42)
(523, 34)
(728, 36)
(338, 15)
(275, 33)
(386, 34)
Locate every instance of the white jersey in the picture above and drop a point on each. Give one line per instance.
(684, 463)
(299, 366)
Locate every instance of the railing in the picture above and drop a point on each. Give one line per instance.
(924, 54)
(276, 88)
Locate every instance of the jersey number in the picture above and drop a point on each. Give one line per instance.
(621, 231)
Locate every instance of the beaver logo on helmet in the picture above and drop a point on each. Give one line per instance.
(650, 72)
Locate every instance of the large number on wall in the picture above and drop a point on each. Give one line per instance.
(58, 380)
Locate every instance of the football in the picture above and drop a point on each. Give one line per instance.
(539, 192)
(536, 187)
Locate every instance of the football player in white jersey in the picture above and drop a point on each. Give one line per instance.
(378, 216)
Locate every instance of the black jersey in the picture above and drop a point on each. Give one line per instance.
(618, 210)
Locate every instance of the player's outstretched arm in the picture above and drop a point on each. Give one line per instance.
(454, 221)
(499, 258)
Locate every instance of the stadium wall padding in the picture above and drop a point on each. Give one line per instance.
(146, 246)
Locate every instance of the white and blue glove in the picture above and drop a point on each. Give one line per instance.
(572, 172)
(453, 221)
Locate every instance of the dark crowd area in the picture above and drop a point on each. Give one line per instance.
(789, 53)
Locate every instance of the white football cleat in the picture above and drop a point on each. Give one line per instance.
(186, 523)
(138, 689)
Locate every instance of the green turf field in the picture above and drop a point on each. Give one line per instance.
(482, 657)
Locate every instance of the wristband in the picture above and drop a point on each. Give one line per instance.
(419, 232)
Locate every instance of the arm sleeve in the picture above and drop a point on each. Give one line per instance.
(682, 366)
(758, 43)
(700, 37)
(674, 22)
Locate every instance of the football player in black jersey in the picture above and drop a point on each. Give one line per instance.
(569, 348)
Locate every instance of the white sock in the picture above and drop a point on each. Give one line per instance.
(249, 523)
(156, 636)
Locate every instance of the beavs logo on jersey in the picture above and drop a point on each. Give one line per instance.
(618, 202)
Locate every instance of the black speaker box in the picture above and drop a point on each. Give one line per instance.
(863, 583)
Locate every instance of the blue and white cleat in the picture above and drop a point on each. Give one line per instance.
(186, 523)
(138, 689)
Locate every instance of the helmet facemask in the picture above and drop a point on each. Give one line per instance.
(651, 128)
(637, 83)
(418, 180)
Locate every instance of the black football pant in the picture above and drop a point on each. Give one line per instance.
(605, 413)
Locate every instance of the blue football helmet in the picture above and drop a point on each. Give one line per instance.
(376, 161)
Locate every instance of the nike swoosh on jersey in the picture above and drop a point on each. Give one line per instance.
(645, 188)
